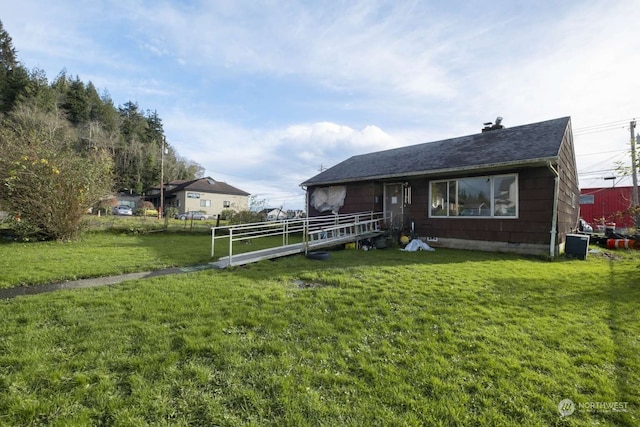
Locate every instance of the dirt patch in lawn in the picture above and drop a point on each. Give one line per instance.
(303, 284)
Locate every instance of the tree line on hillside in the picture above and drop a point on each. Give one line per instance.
(64, 146)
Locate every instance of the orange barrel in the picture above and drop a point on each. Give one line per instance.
(620, 243)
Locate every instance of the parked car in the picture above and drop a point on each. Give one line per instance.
(192, 215)
(123, 210)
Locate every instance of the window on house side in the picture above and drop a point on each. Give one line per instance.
(493, 196)
(205, 203)
(226, 204)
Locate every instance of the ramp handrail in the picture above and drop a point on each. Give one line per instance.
(310, 228)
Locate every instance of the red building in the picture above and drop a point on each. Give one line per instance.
(600, 205)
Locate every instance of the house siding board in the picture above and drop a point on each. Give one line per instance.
(568, 194)
(418, 210)
(360, 198)
(535, 233)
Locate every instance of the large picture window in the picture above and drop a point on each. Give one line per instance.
(483, 196)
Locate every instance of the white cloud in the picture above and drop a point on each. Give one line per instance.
(270, 162)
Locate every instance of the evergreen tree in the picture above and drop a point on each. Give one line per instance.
(106, 113)
(13, 77)
(76, 103)
(8, 58)
(13, 87)
(129, 152)
(39, 92)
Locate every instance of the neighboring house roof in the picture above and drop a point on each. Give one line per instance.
(276, 211)
(173, 184)
(521, 145)
(206, 185)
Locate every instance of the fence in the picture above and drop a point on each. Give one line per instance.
(145, 223)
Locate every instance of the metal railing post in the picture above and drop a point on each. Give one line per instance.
(305, 234)
(213, 241)
(285, 230)
(230, 245)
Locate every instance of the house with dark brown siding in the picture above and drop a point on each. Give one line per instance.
(504, 189)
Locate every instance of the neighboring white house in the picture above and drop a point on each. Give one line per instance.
(204, 194)
(276, 214)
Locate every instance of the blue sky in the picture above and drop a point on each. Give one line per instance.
(264, 93)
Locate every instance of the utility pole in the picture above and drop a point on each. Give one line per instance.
(634, 173)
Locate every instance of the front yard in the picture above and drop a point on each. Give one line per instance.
(365, 338)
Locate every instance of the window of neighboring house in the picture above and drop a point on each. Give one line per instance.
(485, 197)
(193, 195)
(226, 204)
(205, 203)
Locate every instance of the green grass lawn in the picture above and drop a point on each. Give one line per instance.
(101, 254)
(365, 338)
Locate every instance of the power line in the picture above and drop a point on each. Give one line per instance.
(603, 162)
(596, 174)
(603, 127)
(599, 187)
(601, 152)
(600, 130)
(617, 122)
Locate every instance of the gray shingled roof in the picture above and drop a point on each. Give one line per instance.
(208, 185)
(520, 145)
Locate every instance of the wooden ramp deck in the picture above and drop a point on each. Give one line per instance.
(317, 237)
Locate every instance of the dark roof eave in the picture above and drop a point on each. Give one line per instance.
(482, 168)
